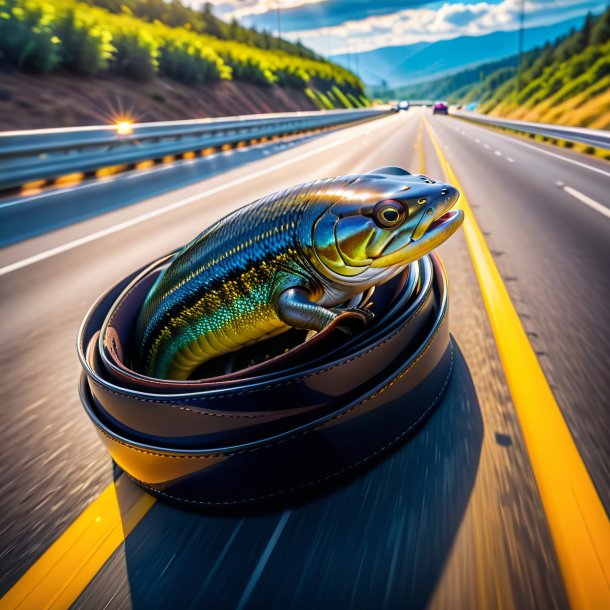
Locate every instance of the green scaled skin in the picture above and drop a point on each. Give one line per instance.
(288, 260)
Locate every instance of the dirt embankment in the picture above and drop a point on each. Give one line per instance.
(56, 100)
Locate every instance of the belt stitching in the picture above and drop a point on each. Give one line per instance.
(322, 479)
(303, 433)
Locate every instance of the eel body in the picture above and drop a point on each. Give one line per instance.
(288, 260)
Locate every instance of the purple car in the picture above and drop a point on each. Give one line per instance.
(440, 108)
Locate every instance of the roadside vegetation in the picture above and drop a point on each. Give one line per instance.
(142, 39)
(175, 14)
(565, 82)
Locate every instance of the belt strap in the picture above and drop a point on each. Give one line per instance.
(280, 416)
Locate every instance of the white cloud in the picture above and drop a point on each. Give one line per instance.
(451, 20)
(260, 7)
(237, 9)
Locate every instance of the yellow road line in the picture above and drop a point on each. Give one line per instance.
(420, 148)
(577, 520)
(69, 564)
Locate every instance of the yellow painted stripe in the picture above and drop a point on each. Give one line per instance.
(420, 148)
(577, 520)
(68, 566)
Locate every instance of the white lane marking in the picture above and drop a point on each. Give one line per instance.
(592, 168)
(497, 153)
(477, 141)
(486, 146)
(567, 159)
(36, 258)
(598, 207)
(510, 159)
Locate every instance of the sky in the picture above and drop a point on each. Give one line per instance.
(333, 27)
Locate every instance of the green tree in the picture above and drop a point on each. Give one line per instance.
(27, 37)
(600, 32)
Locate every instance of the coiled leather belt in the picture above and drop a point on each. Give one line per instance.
(278, 417)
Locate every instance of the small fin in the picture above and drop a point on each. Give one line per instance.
(391, 170)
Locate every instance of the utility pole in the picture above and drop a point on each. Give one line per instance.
(349, 56)
(521, 30)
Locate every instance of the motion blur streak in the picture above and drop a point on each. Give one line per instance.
(67, 567)
(577, 520)
(262, 562)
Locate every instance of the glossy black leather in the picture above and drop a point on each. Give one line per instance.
(290, 420)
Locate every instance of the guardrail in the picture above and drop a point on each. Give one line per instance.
(599, 138)
(45, 154)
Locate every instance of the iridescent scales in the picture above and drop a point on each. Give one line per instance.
(288, 259)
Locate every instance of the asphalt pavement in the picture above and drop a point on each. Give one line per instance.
(554, 252)
(450, 519)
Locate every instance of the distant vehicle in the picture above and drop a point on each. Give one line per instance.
(458, 107)
(471, 106)
(440, 108)
(402, 105)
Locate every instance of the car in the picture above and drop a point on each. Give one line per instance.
(440, 108)
(402, 105)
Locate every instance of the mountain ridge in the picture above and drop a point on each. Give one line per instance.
(424, 61)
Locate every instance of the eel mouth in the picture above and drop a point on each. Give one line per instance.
(439, 230)
(444, 221)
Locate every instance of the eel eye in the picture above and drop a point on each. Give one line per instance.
(388, 214)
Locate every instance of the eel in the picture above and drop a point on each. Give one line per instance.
(288, 260)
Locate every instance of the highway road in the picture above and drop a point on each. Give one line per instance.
(452, 519)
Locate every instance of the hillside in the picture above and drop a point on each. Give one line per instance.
(568, 82)
(50, 100)
(461, 85)
(62, 61)
(565, 82)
